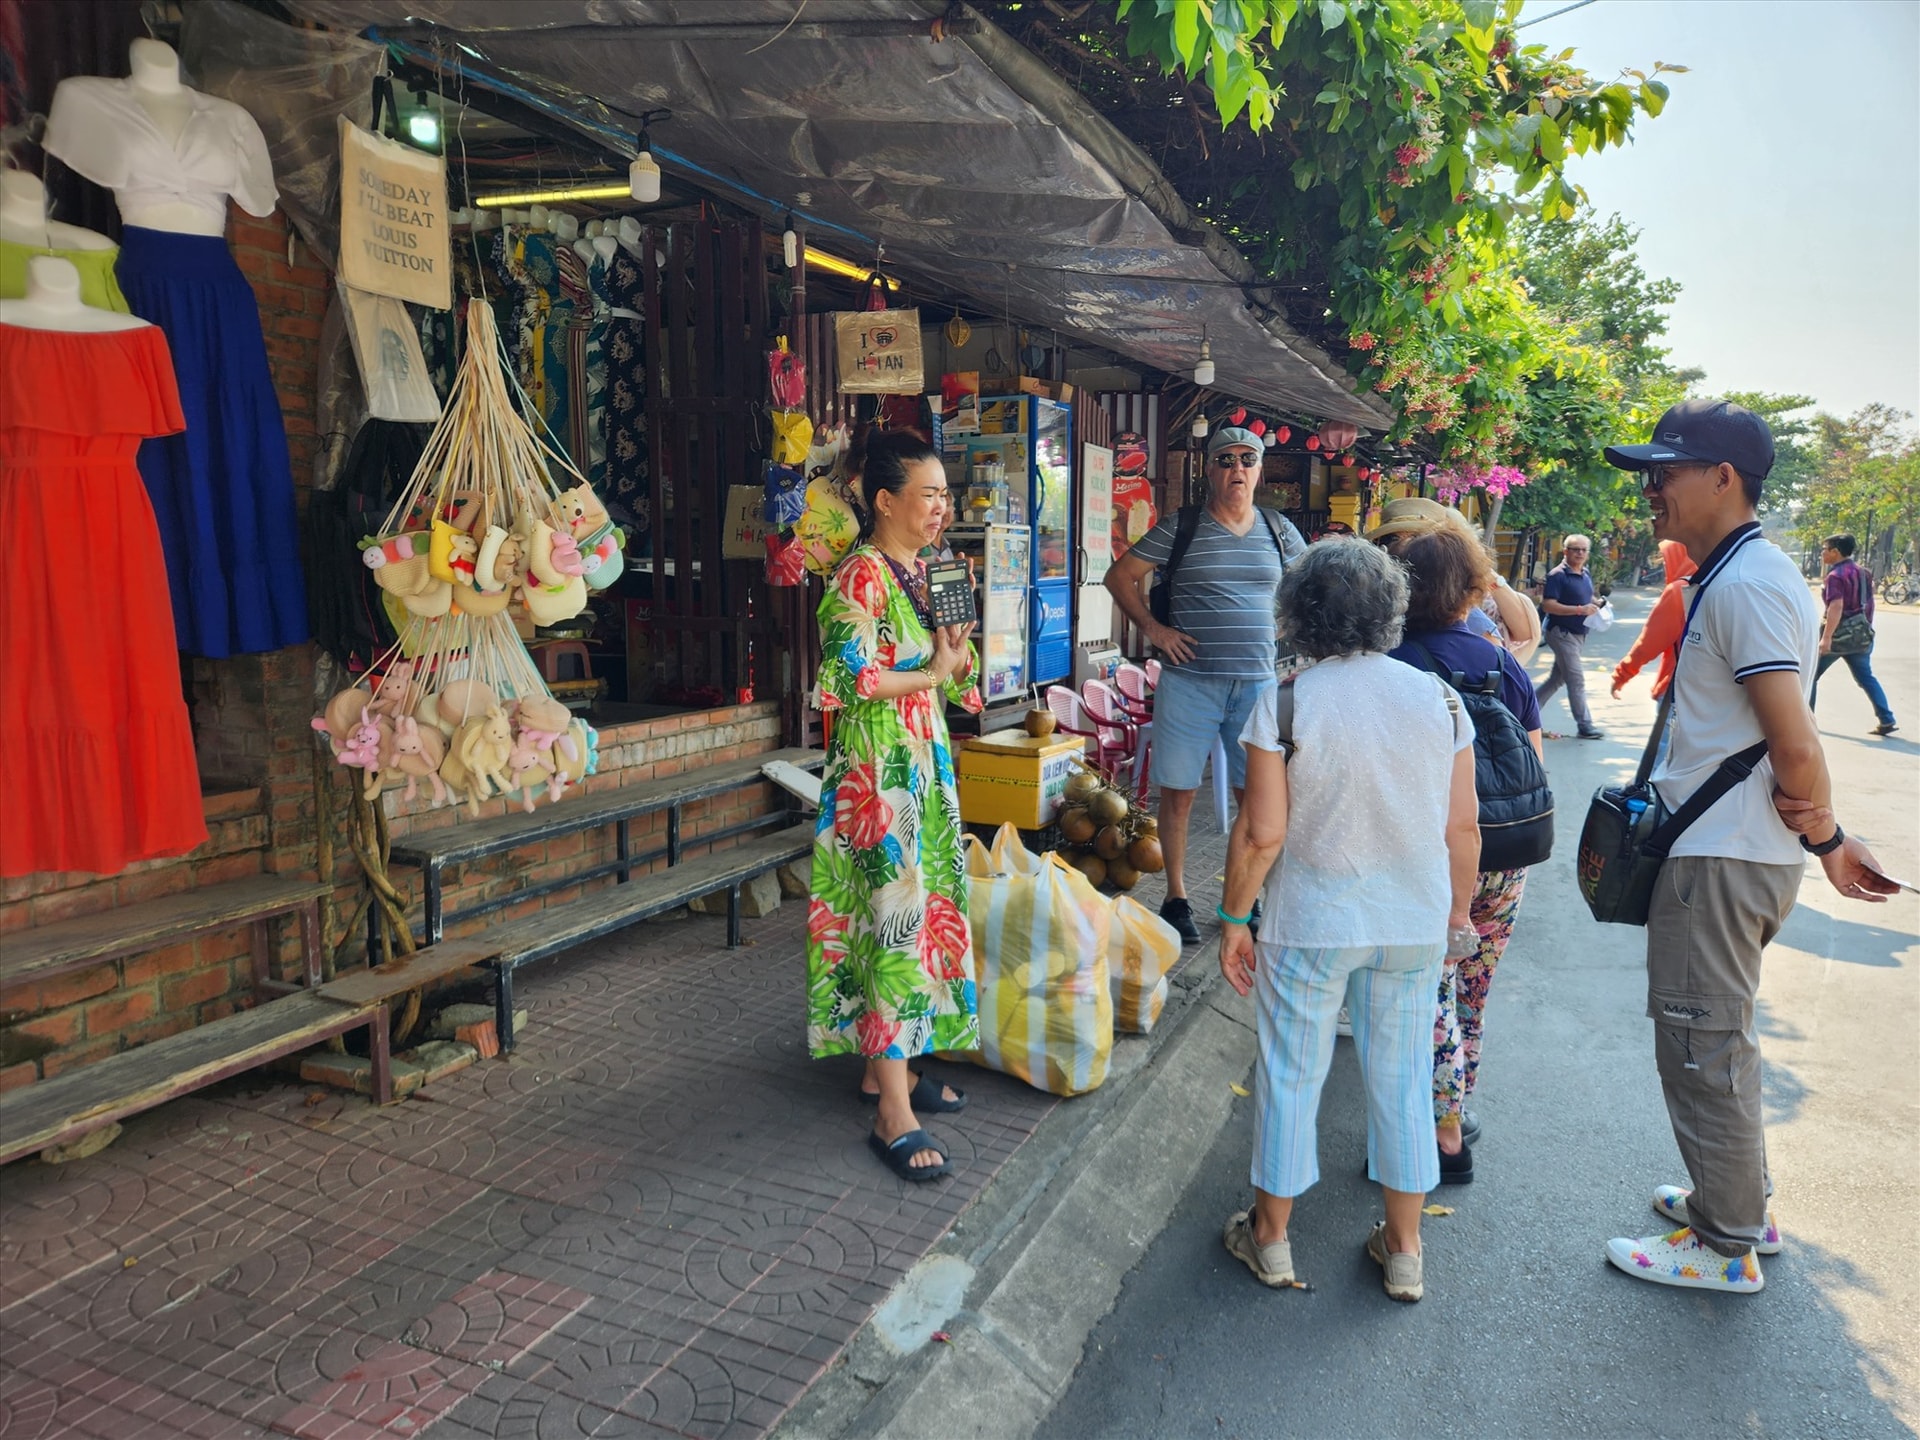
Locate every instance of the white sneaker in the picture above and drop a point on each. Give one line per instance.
(1683, 1259)
(1670, 1201)
(1343, 1023)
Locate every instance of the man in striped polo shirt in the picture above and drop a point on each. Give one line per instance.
(1218, 650)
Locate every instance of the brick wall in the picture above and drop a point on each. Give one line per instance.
(256, 750)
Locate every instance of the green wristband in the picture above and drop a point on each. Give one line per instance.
(1220, 911)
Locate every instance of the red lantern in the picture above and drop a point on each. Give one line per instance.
(1283, 434)
(1313, 442)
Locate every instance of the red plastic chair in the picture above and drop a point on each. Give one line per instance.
(1120, 735)
(1070, 714)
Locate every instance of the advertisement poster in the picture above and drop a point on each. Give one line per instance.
(1133, 512)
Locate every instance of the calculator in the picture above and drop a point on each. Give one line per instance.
(950, 591)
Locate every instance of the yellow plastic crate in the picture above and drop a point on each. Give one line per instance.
(1014, 778)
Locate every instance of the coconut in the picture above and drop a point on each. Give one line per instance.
(1145, 825)
(1091, 866)
(1077, 825)
(1110, 843)
(1144, 855)
(1040, 723)
(1108, 807)
(1081, 786)
(1121, 875)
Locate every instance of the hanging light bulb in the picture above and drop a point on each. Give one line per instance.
(1199, 429)
(1203, 372)
(423, 126)
(643, 175)
(790, 244)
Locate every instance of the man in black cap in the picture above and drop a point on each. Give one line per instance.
(1745, 670)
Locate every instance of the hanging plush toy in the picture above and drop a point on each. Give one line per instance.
(417, 753)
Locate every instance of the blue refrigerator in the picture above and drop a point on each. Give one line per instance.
(1017, 469)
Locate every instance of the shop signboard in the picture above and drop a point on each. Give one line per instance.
(1132, 503)
(393, 219)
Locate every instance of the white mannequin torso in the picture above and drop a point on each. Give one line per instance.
(23, 218)
(53, 303)
(171, 156)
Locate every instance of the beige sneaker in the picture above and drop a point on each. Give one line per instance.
(1271, 1264)
(1403, 1272)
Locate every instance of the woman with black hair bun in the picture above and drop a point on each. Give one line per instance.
(889, 949)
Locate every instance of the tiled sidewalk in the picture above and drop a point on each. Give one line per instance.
(657, 1218)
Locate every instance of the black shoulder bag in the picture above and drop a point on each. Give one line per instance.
(1629, 830)
(1854, 634)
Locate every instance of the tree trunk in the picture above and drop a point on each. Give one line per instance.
(1493, 522)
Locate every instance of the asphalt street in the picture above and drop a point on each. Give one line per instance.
(1525, 1330)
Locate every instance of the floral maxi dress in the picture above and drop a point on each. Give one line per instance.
(889, 951)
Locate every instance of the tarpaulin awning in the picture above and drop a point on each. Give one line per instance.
(972, 162)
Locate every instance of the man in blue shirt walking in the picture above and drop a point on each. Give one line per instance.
(1567, 599)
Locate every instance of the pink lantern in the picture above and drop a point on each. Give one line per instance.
(1338, 434)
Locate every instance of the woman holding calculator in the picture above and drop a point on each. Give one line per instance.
(889, 950)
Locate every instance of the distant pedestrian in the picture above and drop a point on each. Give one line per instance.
(1368, 786)
(889, 948)
(1744, 675)
(1847, 593)
(1448, 572)
(1217, 646)
(1666, 624)
(1567, 599)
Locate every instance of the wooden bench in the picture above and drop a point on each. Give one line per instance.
(434, 850)
(54, 1111)
(79, 944)
(503, 949)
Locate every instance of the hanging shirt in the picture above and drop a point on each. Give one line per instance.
(99, 128)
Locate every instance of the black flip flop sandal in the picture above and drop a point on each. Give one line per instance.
(926, 1098)
(897, 1155)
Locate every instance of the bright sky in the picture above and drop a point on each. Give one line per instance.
(1781, 187)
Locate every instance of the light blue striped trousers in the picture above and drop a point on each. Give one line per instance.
(1388, 991)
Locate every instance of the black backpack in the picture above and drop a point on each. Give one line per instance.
(1286, 539)
(1516, 803)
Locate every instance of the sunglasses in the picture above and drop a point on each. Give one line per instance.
(1657, 476)
(1229, 461)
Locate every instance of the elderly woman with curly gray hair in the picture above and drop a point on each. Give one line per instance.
(1362, 768)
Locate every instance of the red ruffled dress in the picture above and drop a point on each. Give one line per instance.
(95, 744)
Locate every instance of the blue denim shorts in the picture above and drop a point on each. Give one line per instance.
(1190, 712)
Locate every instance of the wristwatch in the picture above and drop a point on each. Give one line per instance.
(1826, 846)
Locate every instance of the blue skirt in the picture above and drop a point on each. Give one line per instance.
(223, 489)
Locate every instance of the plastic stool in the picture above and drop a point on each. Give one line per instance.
(549, 653)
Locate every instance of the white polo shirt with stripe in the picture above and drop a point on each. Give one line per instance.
(1754, 615)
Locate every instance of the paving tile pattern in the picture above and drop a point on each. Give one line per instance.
(657, 1218)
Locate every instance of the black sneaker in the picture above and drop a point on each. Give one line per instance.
(1885, 729)
(1457, 1169)
(1179, 914)
(1469, 1127)
(1593, 734)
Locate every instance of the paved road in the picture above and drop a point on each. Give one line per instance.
(1526, 1331)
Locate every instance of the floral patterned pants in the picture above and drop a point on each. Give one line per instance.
(1463, 991)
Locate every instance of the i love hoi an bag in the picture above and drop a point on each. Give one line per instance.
(879, 352)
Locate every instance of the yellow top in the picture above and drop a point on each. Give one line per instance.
(98, 287)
